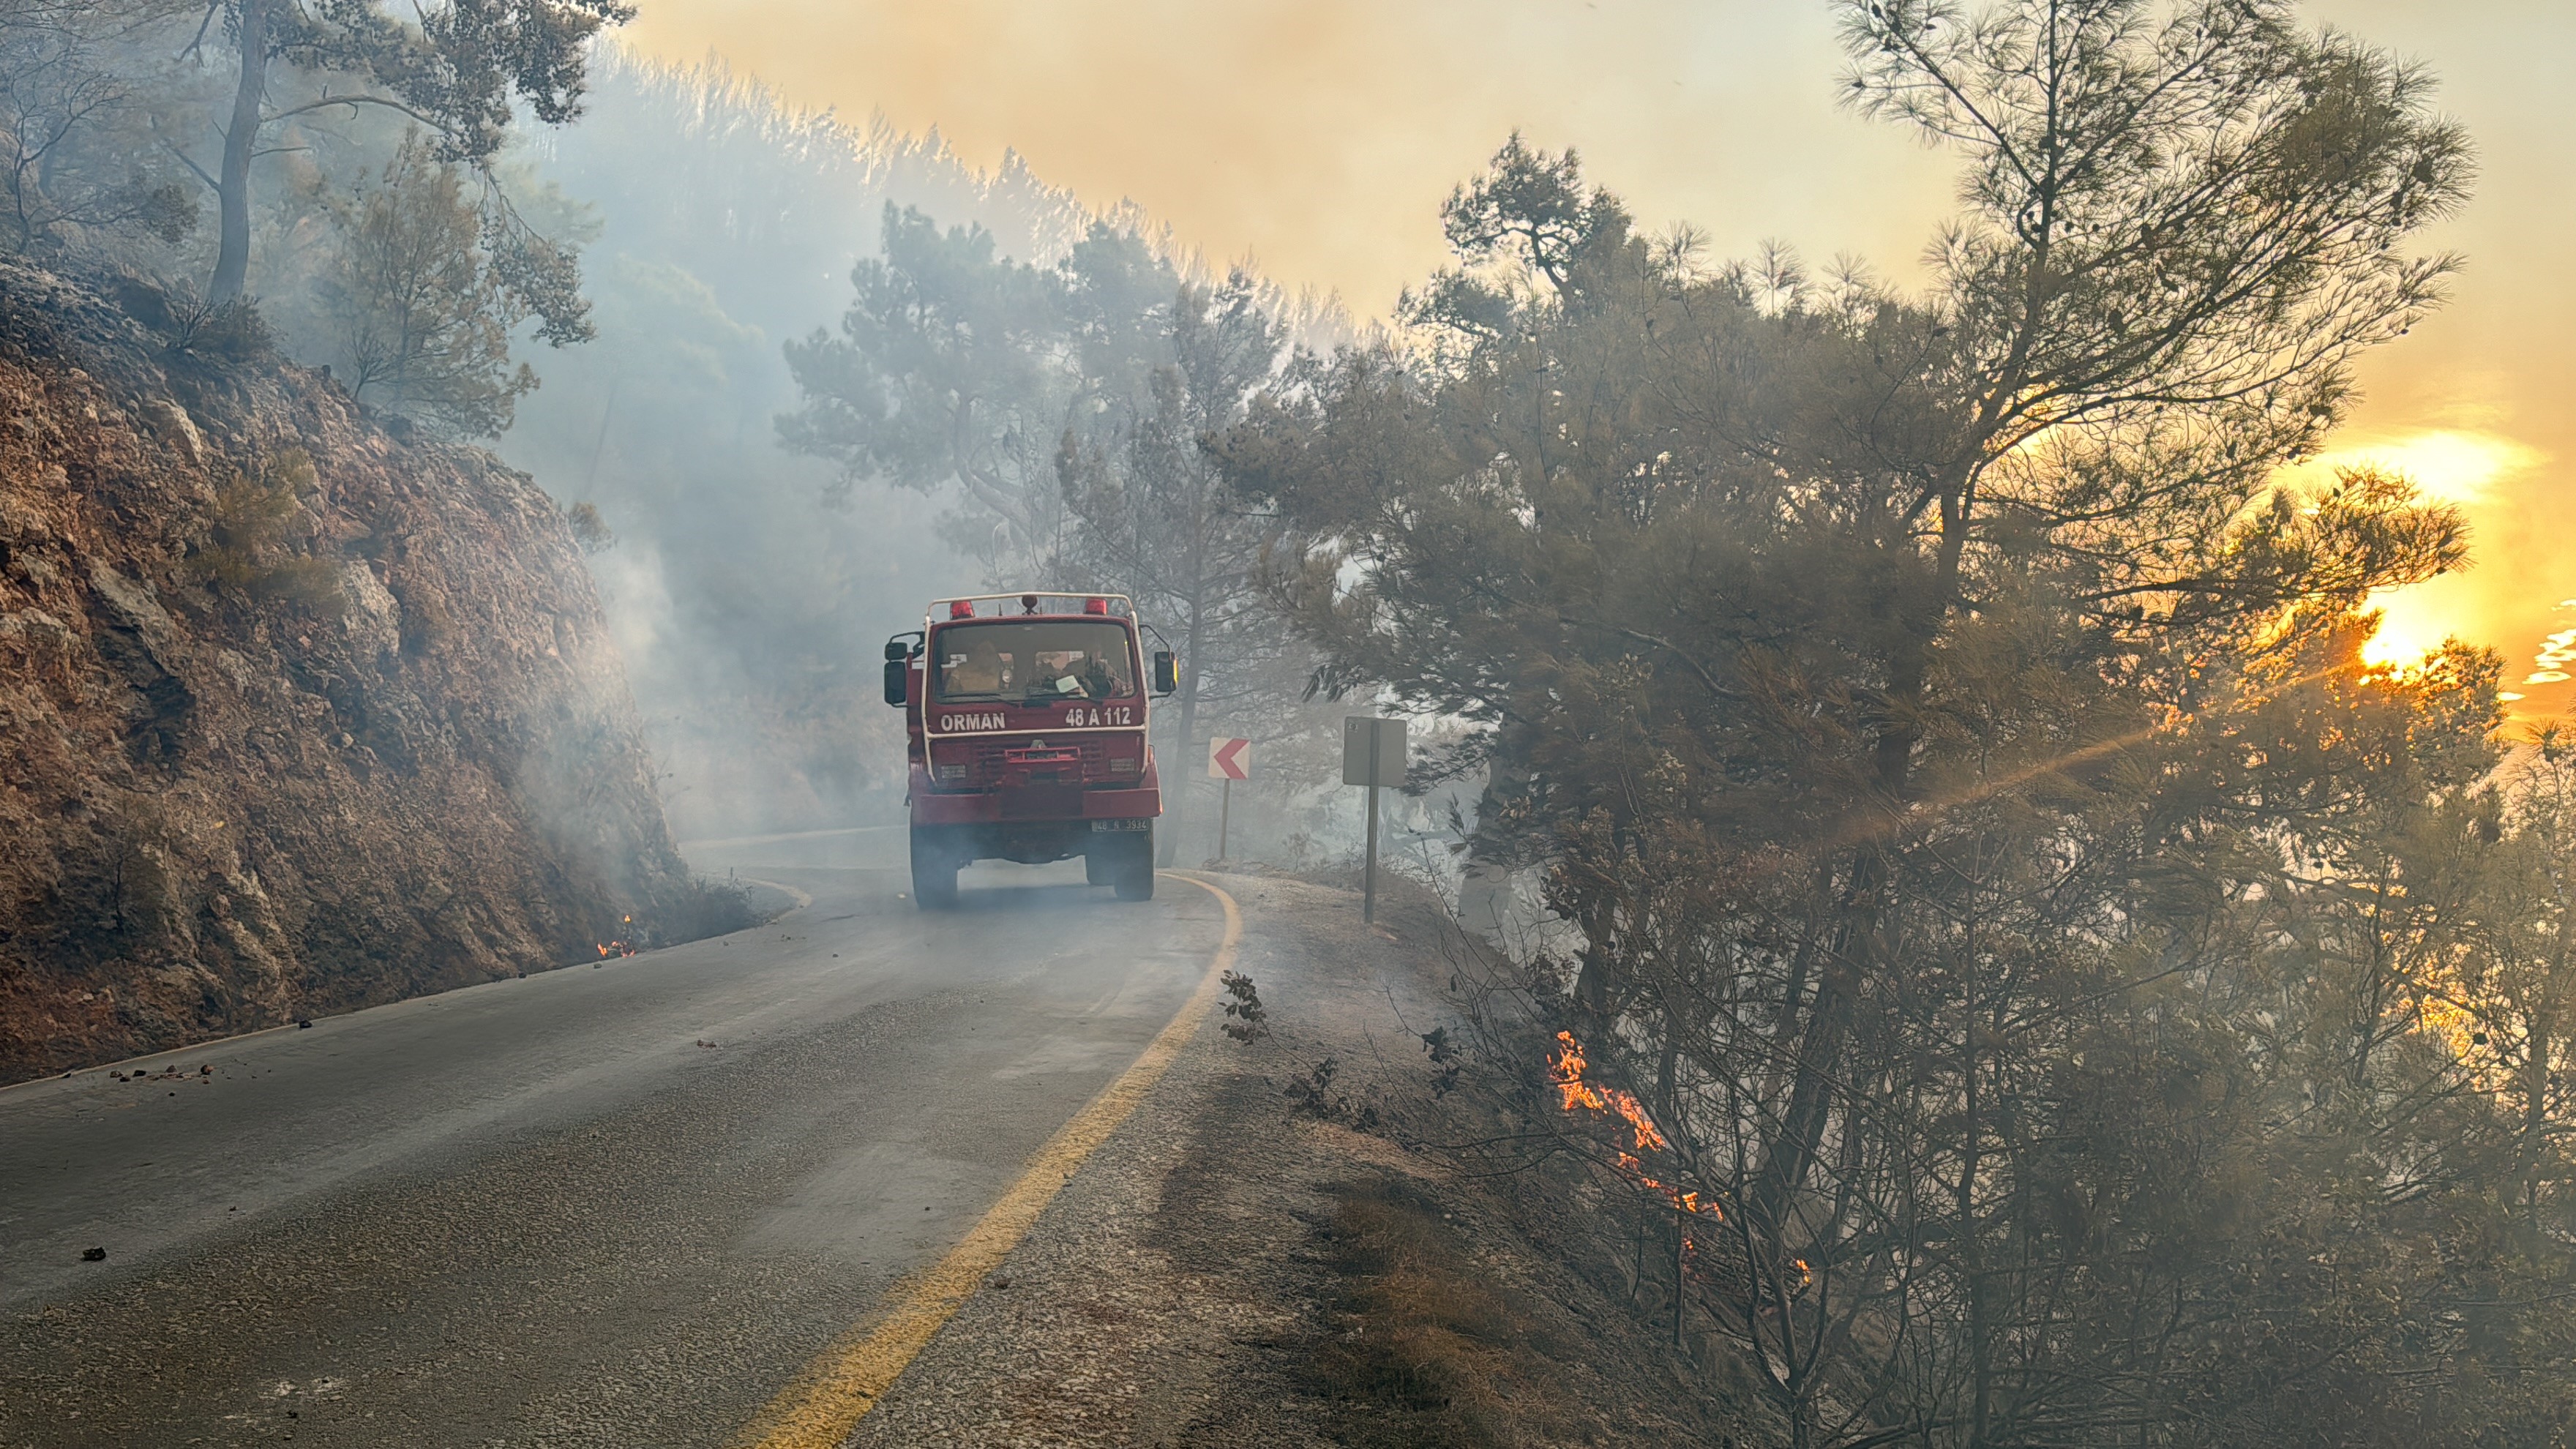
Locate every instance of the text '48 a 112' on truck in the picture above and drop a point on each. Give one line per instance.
(1026, 716)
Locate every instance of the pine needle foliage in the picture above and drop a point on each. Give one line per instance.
(416, 300)
(2045, 948)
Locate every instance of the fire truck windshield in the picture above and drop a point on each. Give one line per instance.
(1033, 662)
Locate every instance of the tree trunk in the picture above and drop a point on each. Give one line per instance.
(1861, 924)
(2535, 1110)
(1485, 886)
(1177, 793)
(1970, 1240)
(241, 138)
(1819, 1051)
(2543, 1044)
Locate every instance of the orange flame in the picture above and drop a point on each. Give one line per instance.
(1565, 1071)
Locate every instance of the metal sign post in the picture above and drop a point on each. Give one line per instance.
(1372, 755)
(1229, 760)
(1368, 875)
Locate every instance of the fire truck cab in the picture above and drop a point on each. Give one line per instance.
(1026, 719)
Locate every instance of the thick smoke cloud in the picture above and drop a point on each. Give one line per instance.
(748, 610)
(1318, 137)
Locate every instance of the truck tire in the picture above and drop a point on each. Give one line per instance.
(1133, 870)
(1099, 864)
(934, 870)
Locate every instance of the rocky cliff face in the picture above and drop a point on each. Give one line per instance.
(296, 715)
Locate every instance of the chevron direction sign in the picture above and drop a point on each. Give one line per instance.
(1229, 759)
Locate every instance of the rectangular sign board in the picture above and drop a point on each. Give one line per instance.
(1372, 751)
(1229, 759)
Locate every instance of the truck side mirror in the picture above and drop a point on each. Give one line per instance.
(1167, 672)
(897, 649)
(896, 669)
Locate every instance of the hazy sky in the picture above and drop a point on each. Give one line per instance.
(1318, 138)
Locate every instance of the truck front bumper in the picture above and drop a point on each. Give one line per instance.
(987, 807)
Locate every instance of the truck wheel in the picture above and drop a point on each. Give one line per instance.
(1099, 864)
(934, 870)
(1133, 872)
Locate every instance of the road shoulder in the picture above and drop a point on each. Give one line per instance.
(1254, 1260)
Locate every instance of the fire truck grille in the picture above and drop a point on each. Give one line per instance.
(993, 762)
(985, 764)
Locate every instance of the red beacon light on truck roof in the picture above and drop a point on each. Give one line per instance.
(1095, 606)
(961, 609)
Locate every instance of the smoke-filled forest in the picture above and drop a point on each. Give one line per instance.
(1932, 866)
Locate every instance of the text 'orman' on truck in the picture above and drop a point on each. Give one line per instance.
(1027, 715)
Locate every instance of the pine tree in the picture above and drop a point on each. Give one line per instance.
(1952, 751)
(417, 311)
(456, 70)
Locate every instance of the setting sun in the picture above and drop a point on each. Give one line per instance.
(2481, 473)
(2411, 626)
(2448, 465)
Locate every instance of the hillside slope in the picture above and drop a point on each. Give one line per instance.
(295, 715)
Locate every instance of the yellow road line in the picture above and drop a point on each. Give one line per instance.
(846, 1380)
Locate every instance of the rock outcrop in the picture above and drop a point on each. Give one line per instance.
(297, 714)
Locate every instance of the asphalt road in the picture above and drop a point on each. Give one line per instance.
(540, 1212)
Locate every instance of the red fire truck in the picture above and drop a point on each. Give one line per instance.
(1027, 715)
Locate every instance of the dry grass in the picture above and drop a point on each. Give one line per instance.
(1429, 1352)
(254, 549)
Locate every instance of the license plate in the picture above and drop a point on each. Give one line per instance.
(1136, 824)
